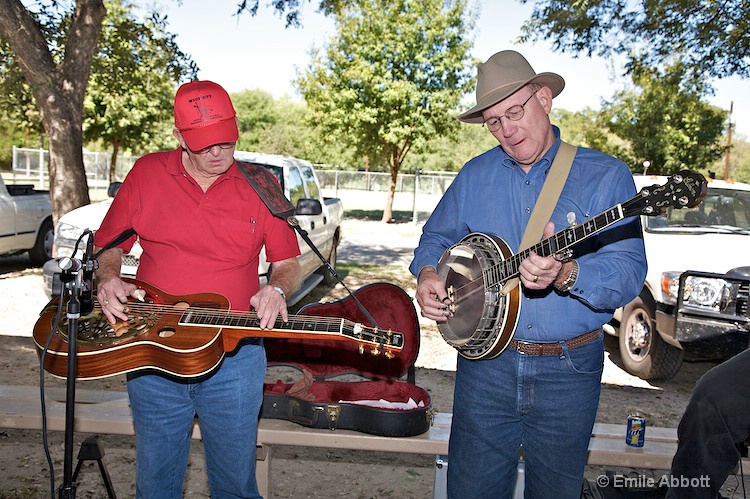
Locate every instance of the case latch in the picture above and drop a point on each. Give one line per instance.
(430, 415)
(334, 412)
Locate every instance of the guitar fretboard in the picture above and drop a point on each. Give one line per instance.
(313, 325)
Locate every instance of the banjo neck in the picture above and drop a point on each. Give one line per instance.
(559, 243)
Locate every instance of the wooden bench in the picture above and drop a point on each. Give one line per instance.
(108, 412)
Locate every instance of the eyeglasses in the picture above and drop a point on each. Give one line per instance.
(514, 113)
(223, 145)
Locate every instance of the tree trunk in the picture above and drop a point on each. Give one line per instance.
(388, 211)
(58, 90)
(113, 160)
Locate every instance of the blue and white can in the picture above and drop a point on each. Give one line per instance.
(636, 433)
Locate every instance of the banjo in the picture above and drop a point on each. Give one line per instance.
(475, 269)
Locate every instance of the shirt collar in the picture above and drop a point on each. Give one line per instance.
(175, 166)
(545, 162)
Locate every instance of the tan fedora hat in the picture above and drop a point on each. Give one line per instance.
(503, 74)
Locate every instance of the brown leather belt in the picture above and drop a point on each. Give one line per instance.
(527, 348)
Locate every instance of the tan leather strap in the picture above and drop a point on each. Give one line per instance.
(546, 202)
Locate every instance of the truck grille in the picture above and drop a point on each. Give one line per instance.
(743, 296)
(130, 260)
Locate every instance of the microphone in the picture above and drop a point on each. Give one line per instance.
(70, 265)
(90, 264)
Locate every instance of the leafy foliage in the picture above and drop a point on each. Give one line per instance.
(391, 78)
(292, 9)
(664, 123)
(711, 37)
(739, 162)
(133, 78)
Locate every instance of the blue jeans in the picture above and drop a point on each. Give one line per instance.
(227, 403)
(545, 403)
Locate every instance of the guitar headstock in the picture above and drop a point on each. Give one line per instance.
(376, 341)
(682, 190)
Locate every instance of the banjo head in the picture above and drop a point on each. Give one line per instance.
(470, 271)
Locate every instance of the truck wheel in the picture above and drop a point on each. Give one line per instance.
(643, 352)
(328, 278)
(42, 250)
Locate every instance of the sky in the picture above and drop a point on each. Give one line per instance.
(246, 52)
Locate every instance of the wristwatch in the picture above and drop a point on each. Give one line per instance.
(568, 283)
(281, 292)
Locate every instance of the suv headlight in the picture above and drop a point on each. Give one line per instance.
(702, 292)
(66, 236)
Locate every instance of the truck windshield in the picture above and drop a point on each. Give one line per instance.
(720, 208)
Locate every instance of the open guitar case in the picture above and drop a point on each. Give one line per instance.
(339, 385)
(345, 384)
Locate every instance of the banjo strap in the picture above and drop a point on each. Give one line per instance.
(546, 202)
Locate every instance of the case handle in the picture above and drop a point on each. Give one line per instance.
(333, 411)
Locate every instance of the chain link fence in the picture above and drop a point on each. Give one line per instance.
(32, 166)
(417, 193)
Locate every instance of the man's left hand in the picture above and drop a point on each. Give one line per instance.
(269, 304)
(539, 272)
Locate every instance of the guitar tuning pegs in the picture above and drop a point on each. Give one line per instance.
(361, 349)
(375, 351)
(389, 355)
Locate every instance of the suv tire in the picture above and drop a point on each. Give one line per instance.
(42, 250)
(642, 350)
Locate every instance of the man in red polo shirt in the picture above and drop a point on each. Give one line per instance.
(202, 227)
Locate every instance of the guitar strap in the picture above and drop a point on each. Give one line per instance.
(265, 184)
(545, 203)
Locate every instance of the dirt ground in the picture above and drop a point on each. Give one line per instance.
(296, 472)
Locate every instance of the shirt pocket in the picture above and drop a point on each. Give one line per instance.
(242, 234)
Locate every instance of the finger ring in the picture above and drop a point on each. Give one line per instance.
(106, 302)
(536, 278)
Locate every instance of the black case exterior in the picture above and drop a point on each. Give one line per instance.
(314, 401)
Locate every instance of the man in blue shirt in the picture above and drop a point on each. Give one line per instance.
(542, 392)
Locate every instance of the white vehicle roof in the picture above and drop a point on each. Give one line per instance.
(270, 159)
(646, 180)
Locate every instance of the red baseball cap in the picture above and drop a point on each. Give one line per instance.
(204, 115)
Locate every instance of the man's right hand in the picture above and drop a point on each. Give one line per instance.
(113, 295)
(432, 296)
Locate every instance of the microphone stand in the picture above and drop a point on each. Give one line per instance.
(77, 277)
(294, 223)
(72, 282)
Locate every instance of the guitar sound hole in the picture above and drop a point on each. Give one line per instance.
(167, 332)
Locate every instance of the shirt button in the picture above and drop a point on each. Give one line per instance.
(528, 210)
(529, 326)
(528, 183)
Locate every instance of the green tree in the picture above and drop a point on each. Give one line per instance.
(128, 102)
(391, 78)
(664, 121)
(56, 69)
(739, 162)
(449, 152)
(56, 65)
(586, 128)
(711, 37)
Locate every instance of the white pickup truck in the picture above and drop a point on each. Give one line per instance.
(25, 222)
(320, 217)
(694, 303)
